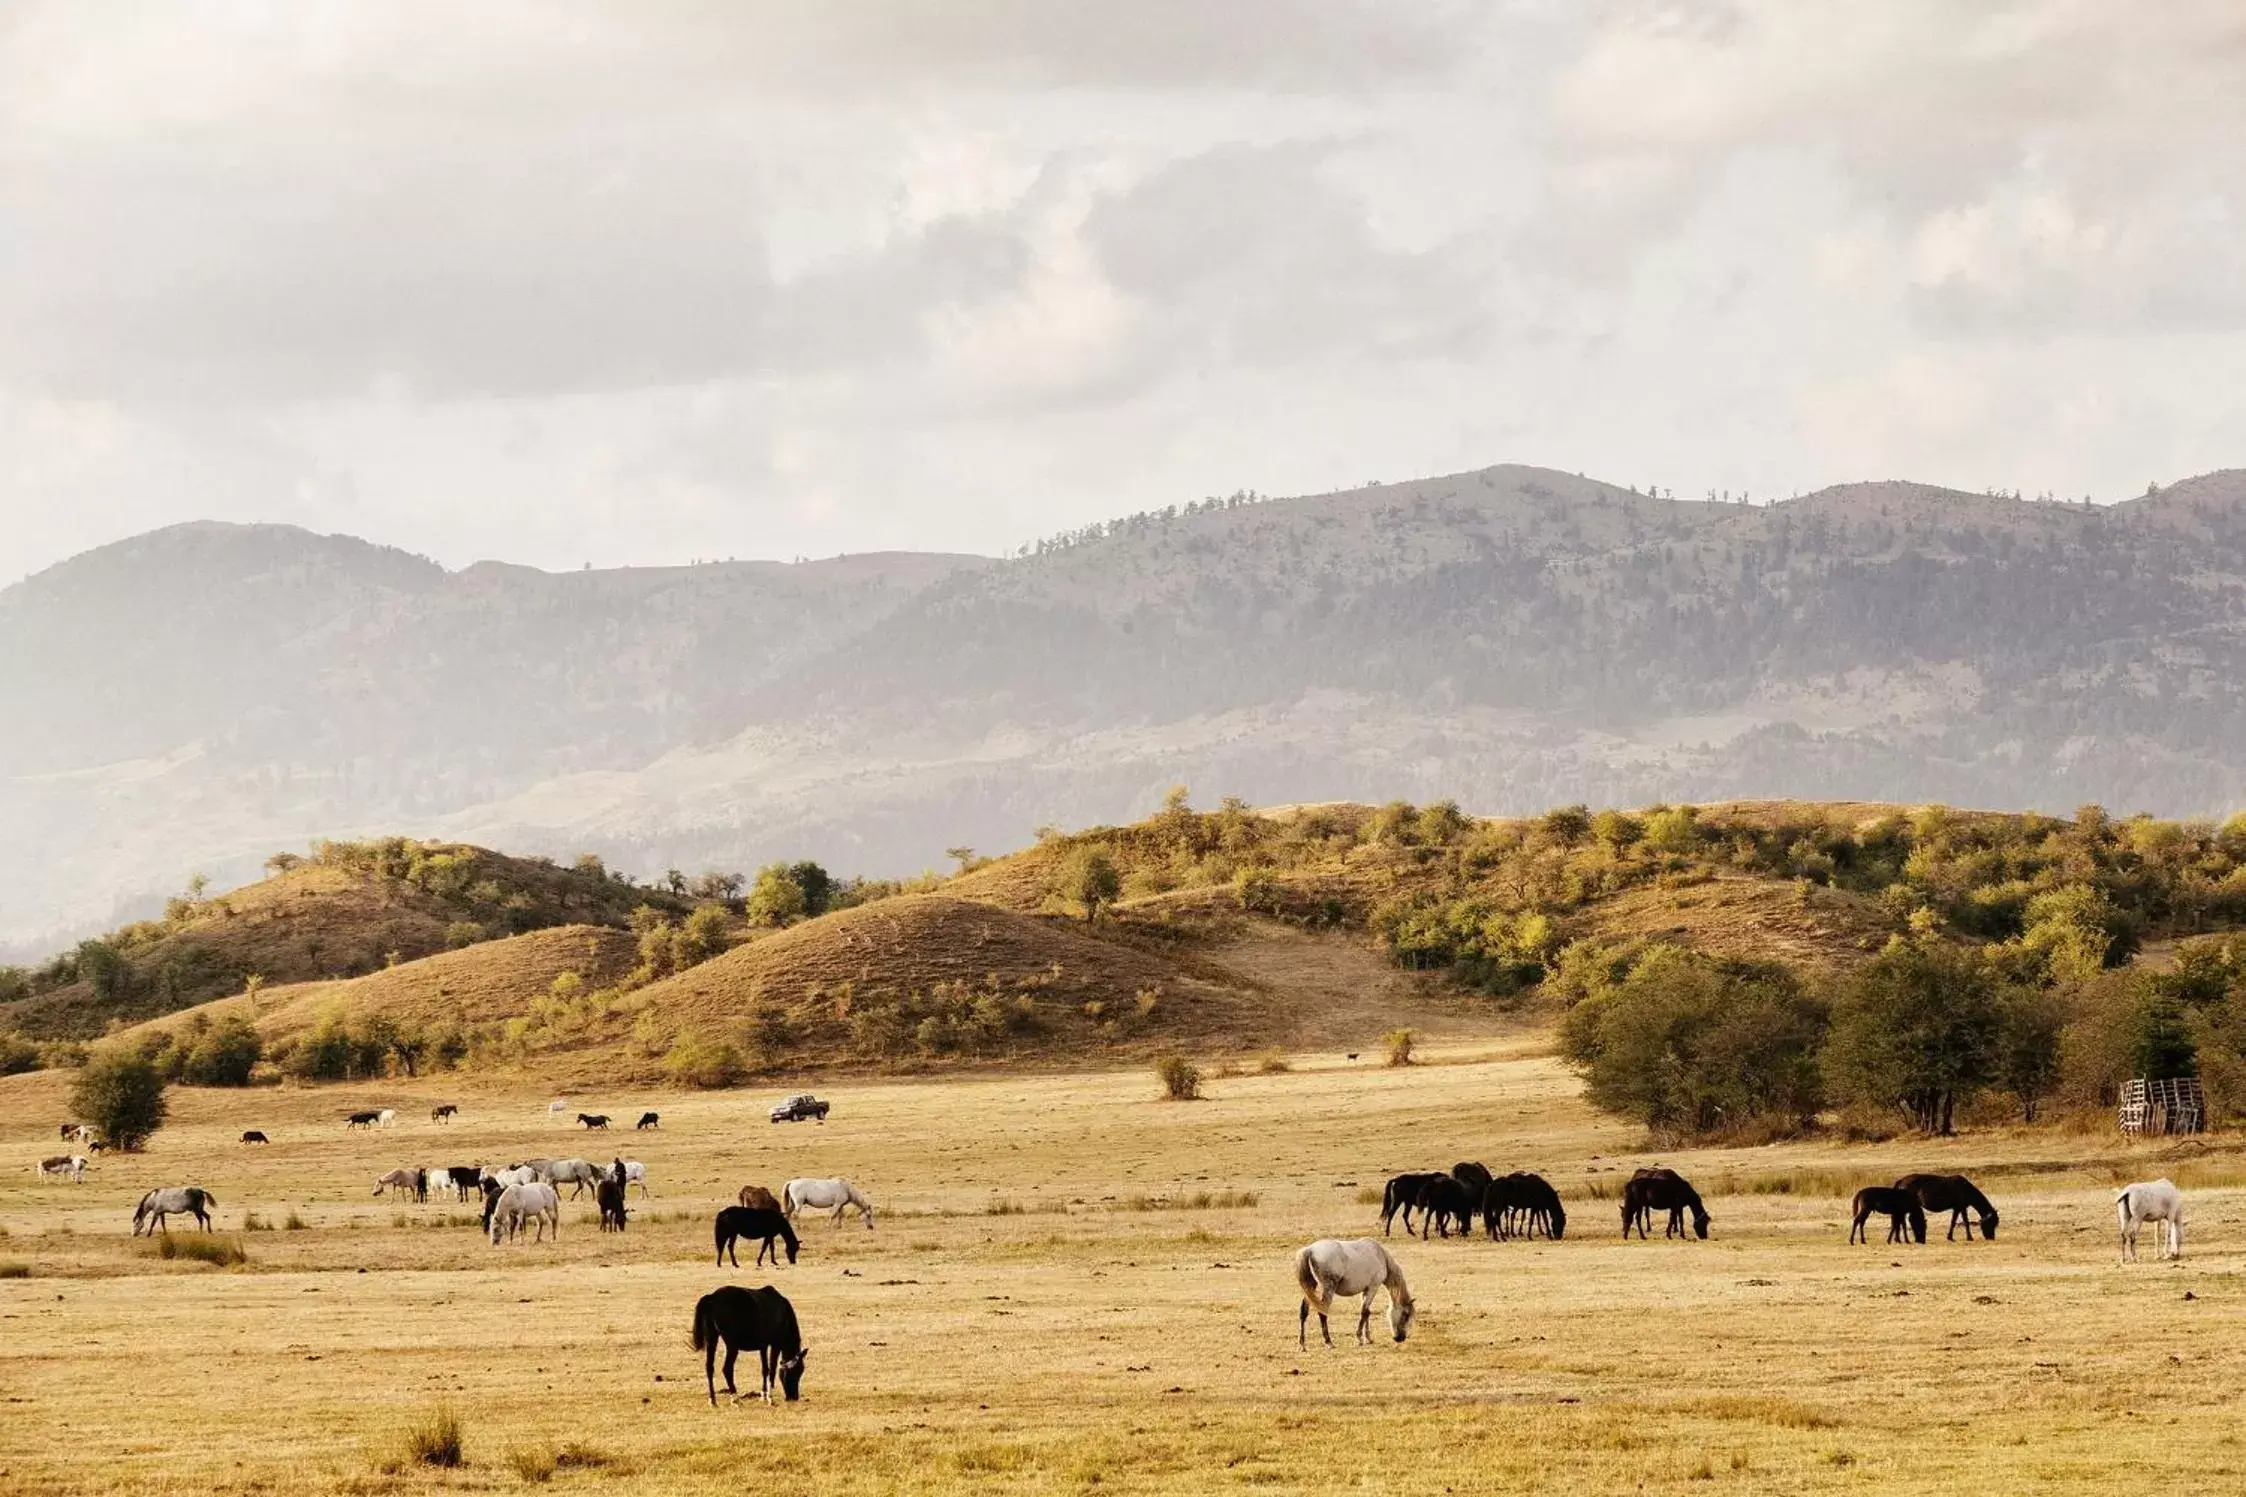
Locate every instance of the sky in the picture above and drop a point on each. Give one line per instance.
(664, 280)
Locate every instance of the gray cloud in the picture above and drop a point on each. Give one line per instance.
(640, 282)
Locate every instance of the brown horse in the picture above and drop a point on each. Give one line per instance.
(758, 1197)
(1956, 1195)
(1898, 1206)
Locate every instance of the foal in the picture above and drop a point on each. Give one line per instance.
(1898, 1206)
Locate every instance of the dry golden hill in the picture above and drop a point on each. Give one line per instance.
(351, 908)
(485, 984)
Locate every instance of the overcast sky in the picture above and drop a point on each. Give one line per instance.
(646, 281)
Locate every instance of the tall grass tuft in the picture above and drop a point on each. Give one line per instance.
(220, 1252)
(435, 1439)
(533, 1463)
(295, 1223)
(15, 1270)
(1399, 1043)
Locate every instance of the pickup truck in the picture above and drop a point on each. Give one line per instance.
(799, 1107)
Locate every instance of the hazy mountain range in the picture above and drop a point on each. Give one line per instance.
(193, 699)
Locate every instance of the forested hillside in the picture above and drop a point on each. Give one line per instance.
(1511, 639)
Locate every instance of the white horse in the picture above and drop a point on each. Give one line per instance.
(2150, 1201)
(518, 1174)
(71, 1167)
(558, 1105)
(635, 1173)
(190, 1200)
(1330, 1268)
(582, 1173)
(386, 1117)
(834, 1192)
(520, 1205)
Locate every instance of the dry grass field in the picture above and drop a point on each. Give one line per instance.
(1067, 1291)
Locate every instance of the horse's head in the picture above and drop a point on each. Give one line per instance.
(1988, 1224)
(1400, 1315)
(791, 1245)
(791, 1374)
(1699, 1221)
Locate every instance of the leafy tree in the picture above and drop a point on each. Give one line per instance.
(103, 968)
(2162, 1046)
(226, 1055)
(1918, 1027)
(700, 938)
(1568, 825)
(1619, 830)
(1687, 1045)
(122, 1095)
(776, 898)
(2030, 1023)
(1439, 824)
(816, 883)
(1089, 878)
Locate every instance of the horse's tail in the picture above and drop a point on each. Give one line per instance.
(208, 1198)
(705, 1322)
(1306, 1275)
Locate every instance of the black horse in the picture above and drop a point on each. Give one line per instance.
(1402, 1195)
(593, 1119)
(1662, 1190)
(1898, 1206)
(750, 1319)
(1445, 1199)
(1956, 1195)
(752, 1223)
(609, 1196)
(1520, 1204)
(255, 1137)
(649, 1120)
(463, 1178)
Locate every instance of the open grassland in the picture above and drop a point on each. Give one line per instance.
(1075, 1287)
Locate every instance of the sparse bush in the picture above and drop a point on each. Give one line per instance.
(463, 933)
(1399, 1043)
(15, 1270)
(18, 1055)
(295, 1223)
(1089, 878)
(123, 1097)
(1181, 1078)
(1273, 1065)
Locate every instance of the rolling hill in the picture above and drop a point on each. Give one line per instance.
(1512, 637)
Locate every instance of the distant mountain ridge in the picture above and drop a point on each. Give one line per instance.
(195, 698)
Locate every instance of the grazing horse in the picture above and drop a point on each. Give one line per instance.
(758, 1196)
(361, 1119)
(648, 1120)
(517, 1206)
(64, 1166)
(1402, 1195)
(1662, 1190)
(753, 1223)
(2151, 1201)
(192, 1200)
(413, 1182)
(1956, 1195)
(1521, 1203)
(255, 1137)
(1897, 1205)
(593, 1119)
(1329, 1269)
(609, 1196)
(1444, 1199)
(745, 1319)
(463, 1178)
(834, 1192)
(444, 1112)
(578, 1173)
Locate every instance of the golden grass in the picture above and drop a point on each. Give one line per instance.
(1081, 1344)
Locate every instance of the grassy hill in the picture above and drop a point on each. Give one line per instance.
(1229, 930)
(349, 909)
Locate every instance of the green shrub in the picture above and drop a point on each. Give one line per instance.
(225, 1056)
(1181, 1078)
(1399, 1043)
(699, 1061)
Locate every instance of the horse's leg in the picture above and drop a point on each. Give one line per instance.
(1365, 1320)
(1302, 1324)
(731, 1351)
